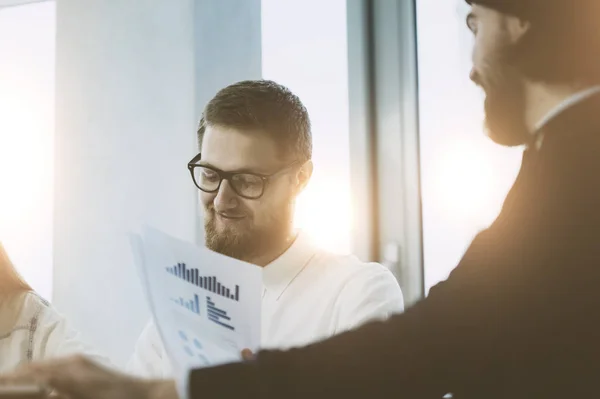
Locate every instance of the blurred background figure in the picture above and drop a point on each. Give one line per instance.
(30, 328)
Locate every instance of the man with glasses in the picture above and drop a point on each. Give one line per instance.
(255, 158)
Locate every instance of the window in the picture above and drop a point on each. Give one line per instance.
(304, 47)
(465, 176)
(27, 45)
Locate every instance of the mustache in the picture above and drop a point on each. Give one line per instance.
(235, 212)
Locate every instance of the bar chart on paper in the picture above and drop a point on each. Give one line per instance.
(209, 283)
(214, 314)
(218, 316)
(206, 306)
(191, 305)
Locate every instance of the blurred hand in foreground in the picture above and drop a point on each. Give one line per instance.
(80, 378)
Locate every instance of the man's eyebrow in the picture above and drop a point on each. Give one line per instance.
(241, 170)
(204, 163)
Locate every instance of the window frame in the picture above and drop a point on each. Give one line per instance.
(385, 138)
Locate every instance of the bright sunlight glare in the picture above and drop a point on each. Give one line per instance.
(293, 54)
(324, 212)
(26, 139)
(464, 185)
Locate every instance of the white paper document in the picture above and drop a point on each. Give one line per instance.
(206, 306)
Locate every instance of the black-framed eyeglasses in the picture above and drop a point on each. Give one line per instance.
(245, 184)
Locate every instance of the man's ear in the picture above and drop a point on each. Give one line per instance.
(303, 176)
(517, 28)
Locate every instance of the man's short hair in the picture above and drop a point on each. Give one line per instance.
(265, 106)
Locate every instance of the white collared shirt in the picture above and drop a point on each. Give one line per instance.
(309, 295)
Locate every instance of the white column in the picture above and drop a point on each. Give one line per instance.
(228, 45)
(125, 129)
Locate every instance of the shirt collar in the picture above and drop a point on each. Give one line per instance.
(561, 108)
(278, 274)
(567, 103)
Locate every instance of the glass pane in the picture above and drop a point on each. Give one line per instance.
(27, 45)
(208, 179)
(465, 176)
(304, 47)
(248, 185)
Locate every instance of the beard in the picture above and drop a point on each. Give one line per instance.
(244, 240)
(504, 103)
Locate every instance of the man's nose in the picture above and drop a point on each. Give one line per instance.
(226, 198)
(473, 75)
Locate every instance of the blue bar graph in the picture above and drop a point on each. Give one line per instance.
(216, 315)
(193, 305)
(209, 283)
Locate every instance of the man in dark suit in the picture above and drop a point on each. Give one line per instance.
(520, 315)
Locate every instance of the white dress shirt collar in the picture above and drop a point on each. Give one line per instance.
(567, 103)
(554, 112)
(278, 274)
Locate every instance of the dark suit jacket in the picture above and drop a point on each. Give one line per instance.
(518, 318)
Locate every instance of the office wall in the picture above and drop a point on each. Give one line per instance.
(125, 119)
(228, 45)
(132, 77)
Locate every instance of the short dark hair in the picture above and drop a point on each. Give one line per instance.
(562, 44)
(266, 106)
